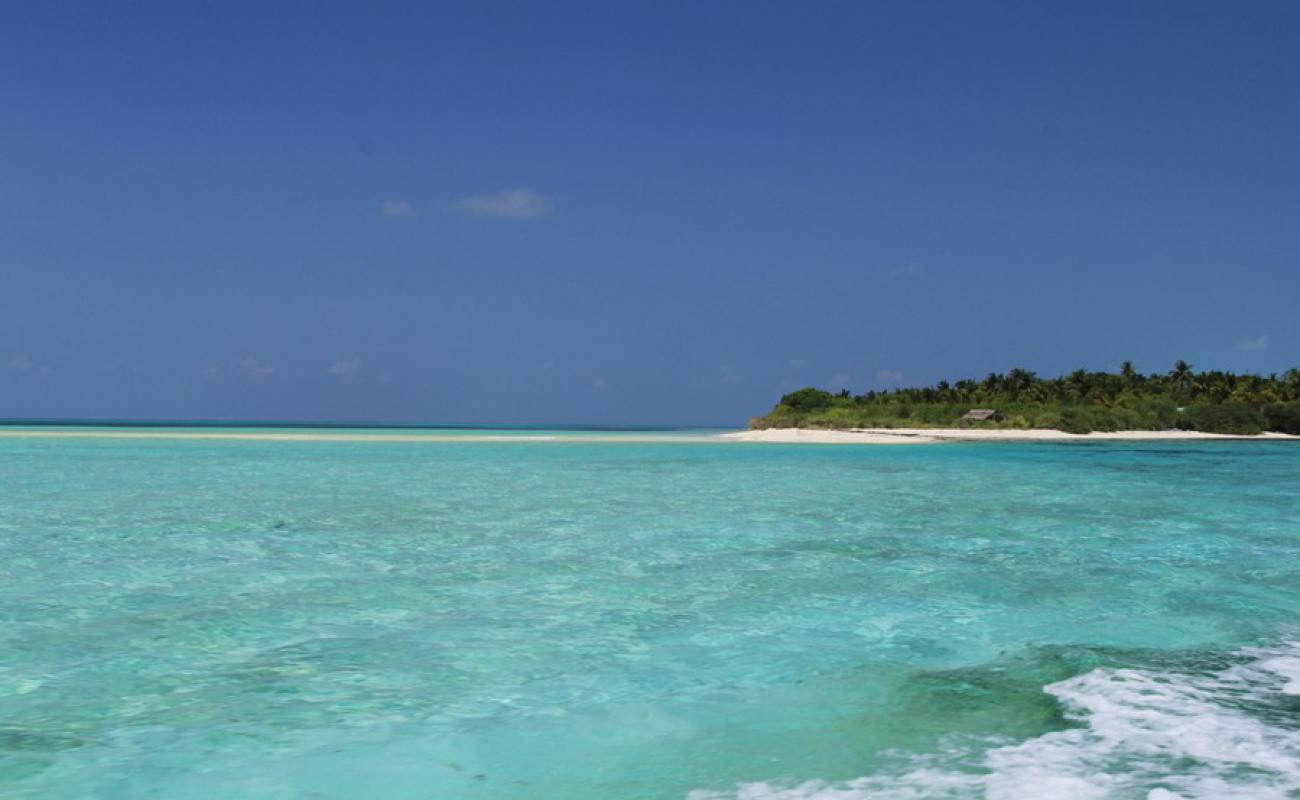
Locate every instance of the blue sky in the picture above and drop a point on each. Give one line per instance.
(641, 213)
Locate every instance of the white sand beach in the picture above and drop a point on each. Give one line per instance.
(933, 435)
(811, 436)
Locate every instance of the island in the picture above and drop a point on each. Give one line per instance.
(1179, 402)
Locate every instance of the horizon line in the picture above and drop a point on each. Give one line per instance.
(147, 422)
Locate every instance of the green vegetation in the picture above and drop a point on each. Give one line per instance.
(1214, 402)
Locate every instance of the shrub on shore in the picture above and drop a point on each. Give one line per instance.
(1284, 418)
(807, 399)
(1225, 418)
(1076, 420)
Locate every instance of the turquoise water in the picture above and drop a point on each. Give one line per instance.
(583, 618)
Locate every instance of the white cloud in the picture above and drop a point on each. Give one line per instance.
(400, 209)
(908, 270)
(253, 368)
(796, 363)
(889, 376)
(1246, 345)
(522, 204)
(598, 383)
(345, 370)
(841, 380)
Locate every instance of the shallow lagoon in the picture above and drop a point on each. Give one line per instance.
(582, 618)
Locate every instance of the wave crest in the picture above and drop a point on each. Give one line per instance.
(1225, 734)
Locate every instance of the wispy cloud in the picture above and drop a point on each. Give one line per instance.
(598, 383)
(518, 204)
(345, 369)
(253, 368)
(1246, 345)
(796, 363)
(908, 270)
(841, 380)
(400, 209)
(889, 376)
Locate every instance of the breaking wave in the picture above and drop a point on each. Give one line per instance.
(1227, 733)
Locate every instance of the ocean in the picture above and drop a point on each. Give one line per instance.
(586, 615)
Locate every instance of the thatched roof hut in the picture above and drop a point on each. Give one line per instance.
(980, 415)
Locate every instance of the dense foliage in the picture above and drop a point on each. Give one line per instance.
(1217, 402)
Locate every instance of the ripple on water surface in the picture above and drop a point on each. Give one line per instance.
(633, 619)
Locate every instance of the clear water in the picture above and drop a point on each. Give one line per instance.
(584, 618)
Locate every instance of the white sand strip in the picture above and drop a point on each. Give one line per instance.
(810, 436)
(931, 435)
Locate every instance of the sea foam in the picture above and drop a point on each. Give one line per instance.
(1224, 734)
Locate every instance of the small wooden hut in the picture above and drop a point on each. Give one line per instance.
(979, 415)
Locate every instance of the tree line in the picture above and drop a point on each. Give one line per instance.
(1080, 402)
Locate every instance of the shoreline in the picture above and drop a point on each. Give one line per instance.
(940, 435)
(858, 436)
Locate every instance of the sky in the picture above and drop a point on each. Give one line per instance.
(631, 212)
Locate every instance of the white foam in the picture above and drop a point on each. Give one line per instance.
(1143, 734)
(1286, 666)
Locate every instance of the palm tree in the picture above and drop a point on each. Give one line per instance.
(1291, 378)
(1181, 374)
(1021, 380)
